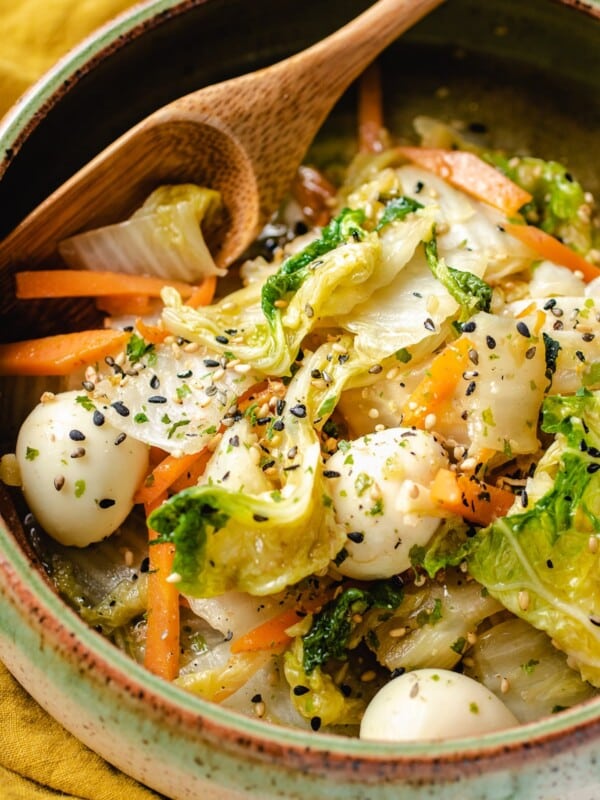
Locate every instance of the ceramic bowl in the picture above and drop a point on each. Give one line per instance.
(528, 72)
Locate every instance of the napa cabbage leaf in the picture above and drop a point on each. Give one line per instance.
(261, 542)
(542, 563)
(164, 237)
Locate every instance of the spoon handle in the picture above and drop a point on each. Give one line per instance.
(275, 113)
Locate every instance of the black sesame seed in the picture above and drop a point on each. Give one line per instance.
(290, 468)
(315, 373)
(478, 127)
(549, 304)
(471, 388)
(419, 186)
(345, 689)
(184, 375)
(468, 327)
(375, 369)
(594, 452)
(356, 536)
(154, 382)
(268, 465)
(523, 329)
(278, 425)
(315, 723)
(257, 698)
(591, 468)
(145, 565)
(579, 355)
(298, 411)
(98, 418)
(588, 337)
(280, 407)
(524, 499)
(429, 324)
(88, 386)
(259, 518)
(331, 473)
(79, 452)
(491, 342)
(76, 436)
(211, 390)
(300, 690)
(211, 362)
(106, 502)
(222, 339)
(157, 398)
(549, 563)
(530, 353)
(120, 439)
(235, 441)
(120, 408)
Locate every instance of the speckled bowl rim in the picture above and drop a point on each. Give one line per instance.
(322, 753)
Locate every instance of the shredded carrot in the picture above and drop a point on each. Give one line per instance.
(166, 473)
(314, 194)
(121, 305)
(549, 247)
(370, 110)
(192, 475)
(203, 294)
(466, 496)
(162, 630)
(151, 333)
(61, 354)
(40, 284)
(470, 173)
(272, 634)
(438, 385)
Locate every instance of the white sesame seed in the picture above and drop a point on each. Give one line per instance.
(523, 600)
(174, 577)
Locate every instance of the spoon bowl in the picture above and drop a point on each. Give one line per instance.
(244, 137)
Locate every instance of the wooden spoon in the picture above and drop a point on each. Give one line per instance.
(244, 137)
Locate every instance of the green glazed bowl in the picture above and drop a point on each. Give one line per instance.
(529, 72)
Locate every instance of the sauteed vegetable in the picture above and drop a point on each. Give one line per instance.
(364, 476)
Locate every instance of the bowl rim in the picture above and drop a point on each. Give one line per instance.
(21, 578)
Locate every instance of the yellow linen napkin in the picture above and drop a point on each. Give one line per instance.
(36, 33)
(40, 760)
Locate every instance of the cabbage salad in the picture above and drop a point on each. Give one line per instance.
(359, 482)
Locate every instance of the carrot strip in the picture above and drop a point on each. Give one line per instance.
(470, 173)
(549, 247)
(166, 473)
(192, 475)
(272, 634)
(120, 305)
(466, 496)
(269, 634)
(39, 284)
(314, 194)
(162, 630)
(61, 354)
(203, 294)
(438, 384)
(370, 110)
(151, 333)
